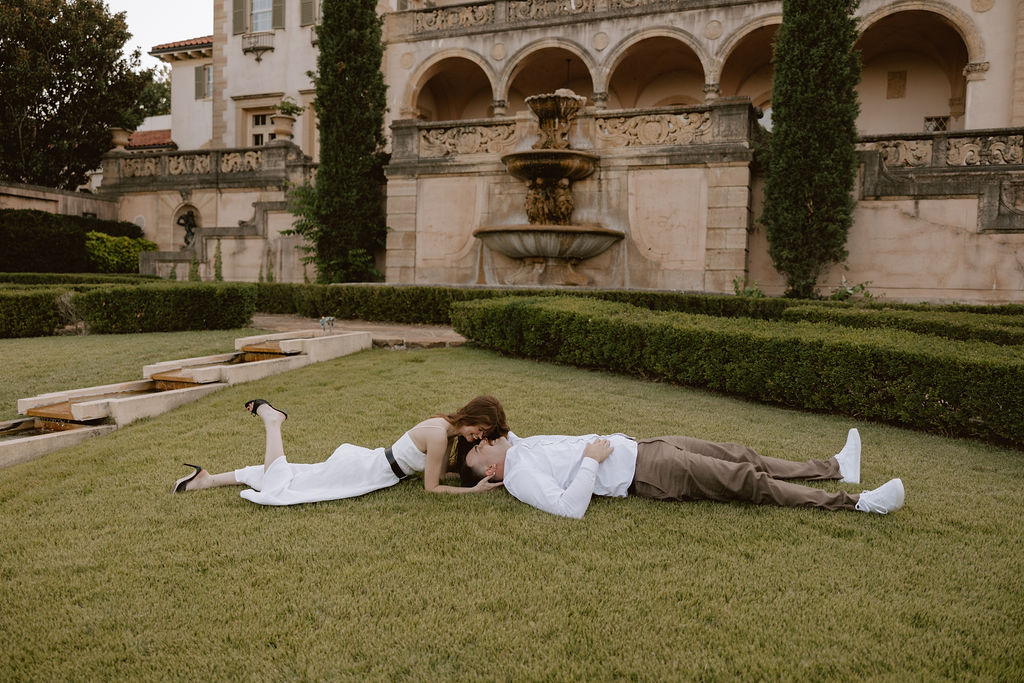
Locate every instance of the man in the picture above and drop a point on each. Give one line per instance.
(559, 474)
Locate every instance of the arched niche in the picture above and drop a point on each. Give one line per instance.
(747, 69)
(185, 225)
(912, 76)
(544, 68)
(450, 88)
(655, 69)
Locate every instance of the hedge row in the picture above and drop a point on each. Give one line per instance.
(963, 389)
(166, 307)
(29, 313)
(41, 242)
(119, 309)
(998, 329)
(73, 278)
(431, 304)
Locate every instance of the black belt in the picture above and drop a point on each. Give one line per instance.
(394, 464)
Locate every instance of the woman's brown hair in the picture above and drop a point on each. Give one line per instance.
(482, 411)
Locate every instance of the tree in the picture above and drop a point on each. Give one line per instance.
(155, 99)
(808, 205)
(65, 82)
(342, 214)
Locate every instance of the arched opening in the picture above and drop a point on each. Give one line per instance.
(912, 78)
(454, 88)
(748, 70)
(656, 72)
(545, 71)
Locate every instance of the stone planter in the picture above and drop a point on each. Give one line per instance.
(119, 138)
(283, 125)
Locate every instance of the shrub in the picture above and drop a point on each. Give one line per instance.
(109, 254)
(166, 307)
(41, 242)
(970, 389)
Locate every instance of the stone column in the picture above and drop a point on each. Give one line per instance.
(973, 105)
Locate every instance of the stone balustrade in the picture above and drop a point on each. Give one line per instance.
(728, 121)
(242, 167)
(960, 149)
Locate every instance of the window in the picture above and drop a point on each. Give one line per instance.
(261, 129)
(262, 15)
(255, 16)
(204, 81)
(936, 124)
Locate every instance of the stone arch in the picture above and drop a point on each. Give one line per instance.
(579, 75)
(633, 47)
(959, 20)
(914, 64)
(744, 61)
(472, 73)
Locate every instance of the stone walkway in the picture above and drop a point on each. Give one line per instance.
(385, 334)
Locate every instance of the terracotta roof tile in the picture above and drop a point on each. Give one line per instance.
(148, 139)
(201, 42)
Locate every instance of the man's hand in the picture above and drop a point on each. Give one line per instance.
(598, 449)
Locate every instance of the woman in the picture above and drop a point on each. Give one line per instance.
(351, 470)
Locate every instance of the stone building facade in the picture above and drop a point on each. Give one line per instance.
(676, 94)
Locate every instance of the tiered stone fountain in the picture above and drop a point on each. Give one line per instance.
(550, 245)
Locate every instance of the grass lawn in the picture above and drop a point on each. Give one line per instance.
(106, 575)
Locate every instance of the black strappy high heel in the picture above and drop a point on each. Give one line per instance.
(257, 402)
(179, 486)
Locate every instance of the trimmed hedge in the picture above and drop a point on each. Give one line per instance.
(41, 242)
(953, 388)
(29, 313)
(166, 307)
(431, 304)
(998, 329)
(73, 278)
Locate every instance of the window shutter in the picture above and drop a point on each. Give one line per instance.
(307, 13)
(238, 16)
(278, 17)
(200, 82)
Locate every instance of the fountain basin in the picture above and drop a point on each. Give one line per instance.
(552, 164)
(571, 242)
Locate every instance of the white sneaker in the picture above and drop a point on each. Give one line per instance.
(886, 498)
(849, 458)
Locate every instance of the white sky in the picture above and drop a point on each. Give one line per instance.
(152, 22)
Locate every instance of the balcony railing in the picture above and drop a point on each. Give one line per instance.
(258, 43)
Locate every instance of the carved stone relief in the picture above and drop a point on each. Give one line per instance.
(447, 18)
(655, 129)
(985, 151)
(528, 10)
(441, 142)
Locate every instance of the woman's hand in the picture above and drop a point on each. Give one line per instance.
(485, 484)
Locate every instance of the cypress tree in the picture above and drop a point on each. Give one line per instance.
(808, 206)
(342, 213)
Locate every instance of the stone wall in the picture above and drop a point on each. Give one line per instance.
(18, 196)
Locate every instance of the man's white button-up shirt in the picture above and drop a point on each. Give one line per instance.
(550, 472)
